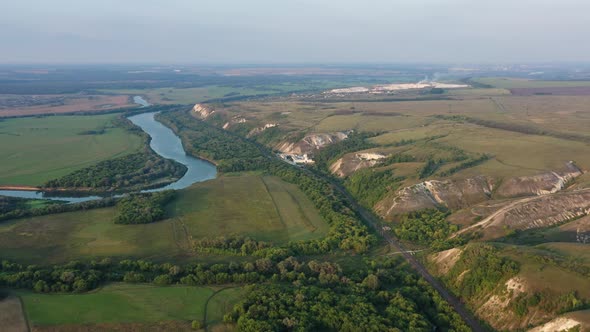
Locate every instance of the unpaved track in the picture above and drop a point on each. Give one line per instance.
(491, 217)
(12, 315)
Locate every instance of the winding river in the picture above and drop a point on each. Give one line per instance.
(163, 141)
(168, 145)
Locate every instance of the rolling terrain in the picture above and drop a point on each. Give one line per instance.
(509, 168)
(263, 208)
(441, 207)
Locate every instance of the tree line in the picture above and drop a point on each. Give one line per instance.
(136, 171)
(21, 210)
(132, 172)
(370, 185)
(384, 297)
(143, 208)
(346, 232)
(289, 294)
(428, 228)
(486, 270)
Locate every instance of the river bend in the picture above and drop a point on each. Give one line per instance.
(163, 141)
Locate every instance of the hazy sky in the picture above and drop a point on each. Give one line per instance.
(294, 31)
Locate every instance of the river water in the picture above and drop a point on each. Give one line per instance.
(139, 100)
(168, 145)
(164, 142)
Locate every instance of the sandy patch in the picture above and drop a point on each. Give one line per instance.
(558, 324)
(516, 285)
(445, 260)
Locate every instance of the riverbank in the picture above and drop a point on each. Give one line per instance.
(31, 188)
(23, 188)
(162, 141)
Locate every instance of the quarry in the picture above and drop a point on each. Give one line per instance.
(388, 88)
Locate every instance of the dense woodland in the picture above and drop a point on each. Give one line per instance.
(428, 228)
(232, 244)
(133, 172)
(487, 268)
(302, 295)
(369, 186)
(384, 298)
(205, 141)
(143, 208)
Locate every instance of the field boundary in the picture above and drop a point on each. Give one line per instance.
(274, 203)
(205, 325)
(305, 219)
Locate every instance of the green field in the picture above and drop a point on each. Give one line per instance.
(369, 123)
(514, 153)
(129, 303)
(264, 208)
(195, 95)
(187, 95)
(545, 276)
(171, 95)
(578, 251)
(509, 83)
(34, 150)
(221, 303)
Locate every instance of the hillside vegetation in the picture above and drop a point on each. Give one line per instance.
(451, 175)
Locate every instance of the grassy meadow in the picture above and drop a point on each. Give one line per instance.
(541, 275)
(515, 153)
(222, 302)
(172, 95)
(180, 96)
(264, 208)
(34, 150)
(200, 94)
(129, 303)
(510, 83)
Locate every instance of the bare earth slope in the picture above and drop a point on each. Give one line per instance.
(536, 212)
(462, 193)
(311, 143)
(452, 194)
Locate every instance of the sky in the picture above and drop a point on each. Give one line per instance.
(294, 31)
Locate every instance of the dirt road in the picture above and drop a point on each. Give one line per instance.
(491, 217)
